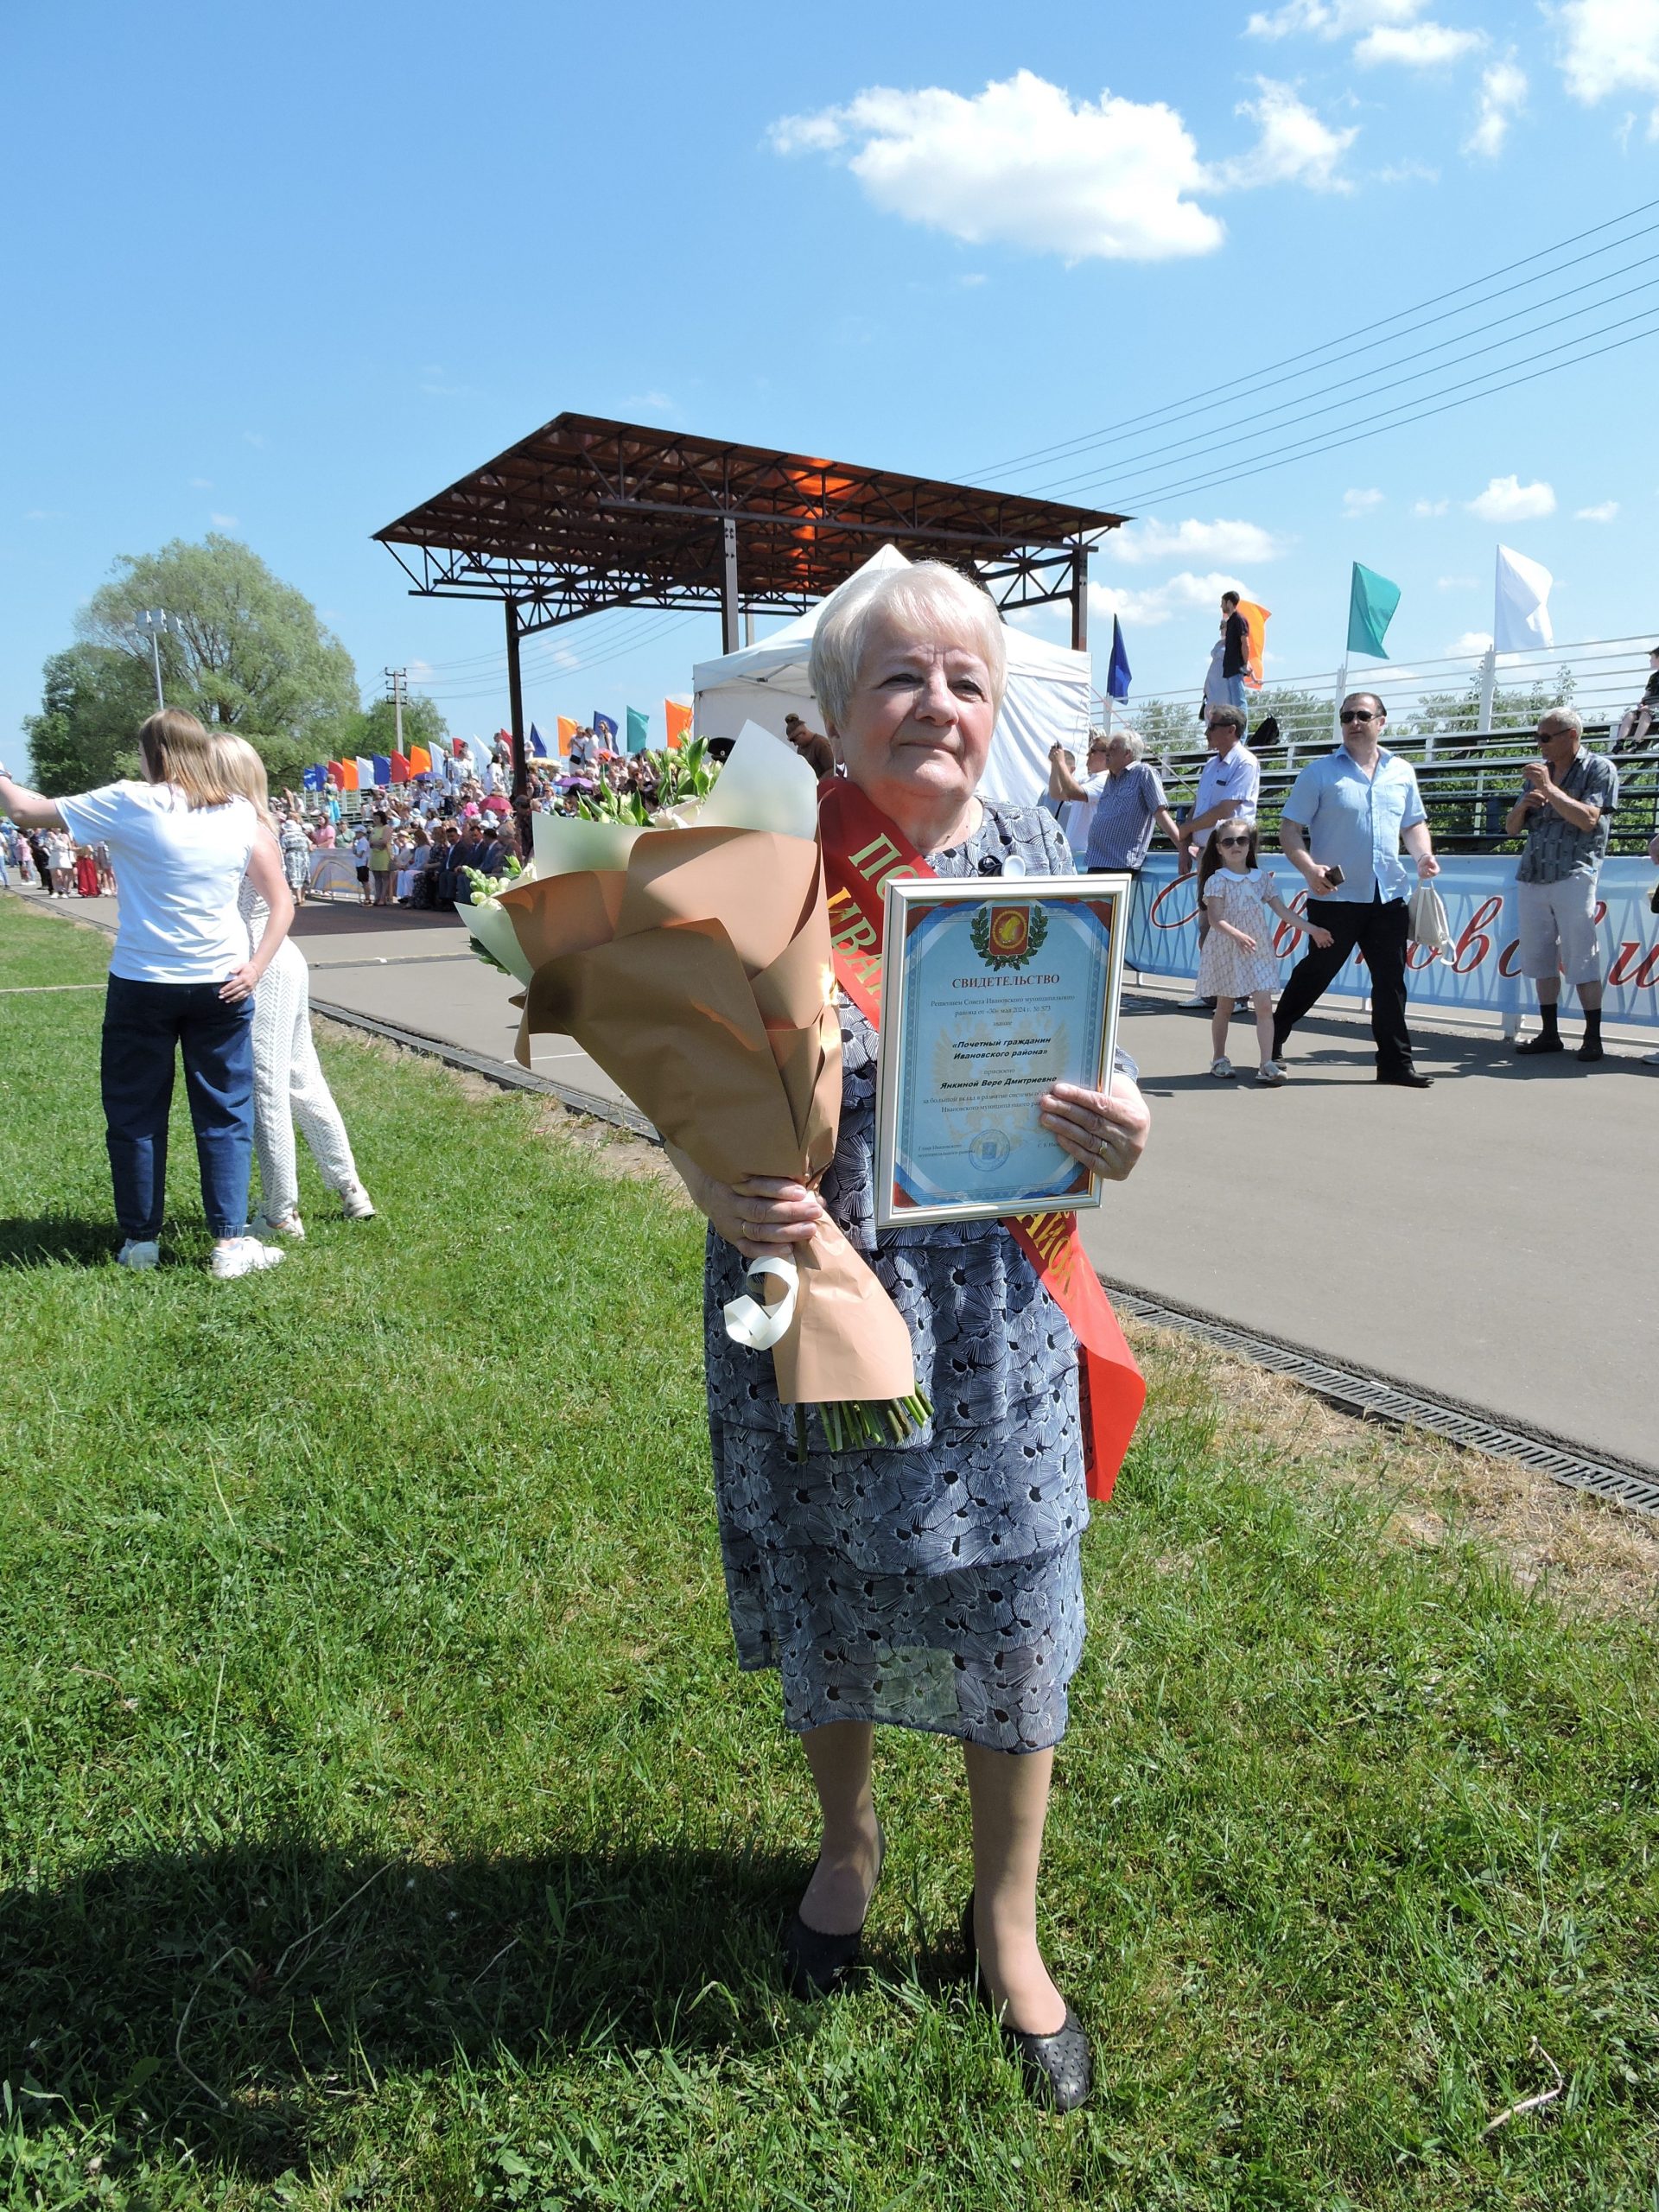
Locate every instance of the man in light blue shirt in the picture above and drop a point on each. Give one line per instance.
(1344, 821)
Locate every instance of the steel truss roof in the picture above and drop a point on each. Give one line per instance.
(587, 514)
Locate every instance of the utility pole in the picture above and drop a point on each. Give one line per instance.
(397, 692)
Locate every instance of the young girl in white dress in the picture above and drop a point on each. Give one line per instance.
(1238, 960)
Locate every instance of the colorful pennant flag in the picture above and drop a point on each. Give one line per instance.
(337, 774)
(638, 730)
(567, 736)
(348, 777)
(1118, 672)
(315, 776)
(381, 764)
(538, 744)
(678, 717)
(1255, 621)
(420, 760)
(1371, 602)
(605, 731)
(399, 768)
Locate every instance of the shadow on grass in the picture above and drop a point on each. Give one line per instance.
(231, 2004)
(34, 1241)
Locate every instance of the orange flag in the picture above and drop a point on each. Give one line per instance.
(567, 732)
(1256, 620)
(420, 760)
(348, 775)
(678, 719)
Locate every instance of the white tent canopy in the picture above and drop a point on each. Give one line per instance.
(1046, 702)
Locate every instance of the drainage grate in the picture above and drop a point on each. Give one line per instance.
(1354, 1391)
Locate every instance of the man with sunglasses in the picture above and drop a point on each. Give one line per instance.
(1344, 821)
(1563, 814)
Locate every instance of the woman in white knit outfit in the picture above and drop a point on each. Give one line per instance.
(288, 1083)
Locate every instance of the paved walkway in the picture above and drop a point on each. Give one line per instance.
(1492, 1240)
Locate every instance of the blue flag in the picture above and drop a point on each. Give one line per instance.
(317, 779)
(1117, 673)
(538, 747)
(382, 767)
(605, 731)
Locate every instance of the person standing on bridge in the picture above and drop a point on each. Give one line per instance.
(1563, 814)
(1348, 814)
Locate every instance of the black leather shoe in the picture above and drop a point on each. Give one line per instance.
(1406, 1079)
(1590, 1050)
(1541, 1043)
(817, 1964)
(1059, 2068)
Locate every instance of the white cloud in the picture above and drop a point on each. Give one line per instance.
(1472, 641)
(1139, 542)
(1506, 499)
(1333, 18)
(1604, 512)
(224, 522)
(1022, 164)
(1294, 146)
(1609, 46)
(1360, 503)
(1178, 594)
(1502, 95)
(1423, 508)
(1418, 46)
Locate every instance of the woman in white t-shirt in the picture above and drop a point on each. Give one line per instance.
(181, 978)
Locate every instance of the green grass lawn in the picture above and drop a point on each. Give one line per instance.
(384, 1821)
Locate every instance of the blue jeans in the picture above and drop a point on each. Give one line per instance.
(1233, 690)
(143, 1024)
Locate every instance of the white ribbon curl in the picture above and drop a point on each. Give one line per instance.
(759, 1327)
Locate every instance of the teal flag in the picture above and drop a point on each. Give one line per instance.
(638, 730)
(1371, 609)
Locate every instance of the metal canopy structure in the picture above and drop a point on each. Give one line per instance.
(585, 515)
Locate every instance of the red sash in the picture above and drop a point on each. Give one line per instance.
(861, 849)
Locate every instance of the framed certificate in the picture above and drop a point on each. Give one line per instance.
(993, 989)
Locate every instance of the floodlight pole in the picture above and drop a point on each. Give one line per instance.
(516, 721)
(730, 636)
(153, 620)
(1080, 600)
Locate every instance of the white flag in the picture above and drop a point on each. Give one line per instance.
(1520, 613)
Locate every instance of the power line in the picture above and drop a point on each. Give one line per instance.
(1380, 372)
(1238, 386)
(1356, 433)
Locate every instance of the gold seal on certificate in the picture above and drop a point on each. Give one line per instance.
(993, 990)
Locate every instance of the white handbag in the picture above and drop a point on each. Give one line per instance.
(1428, 925)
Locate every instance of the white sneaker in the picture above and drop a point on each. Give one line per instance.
(245, 1255)
(1197, 999)
(1650, 1059)
(138, 1253)
(356, 1203)
(289, 1225)
(1270, 1072)
(1221, 1069)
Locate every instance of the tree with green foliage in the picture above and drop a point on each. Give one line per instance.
(249, 654)
(92, 701)
(1455, 714)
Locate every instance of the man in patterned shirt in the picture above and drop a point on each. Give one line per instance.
(1563, 813)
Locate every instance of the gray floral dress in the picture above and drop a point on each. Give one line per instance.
(935, 1585)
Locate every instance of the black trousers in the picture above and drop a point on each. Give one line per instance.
(1377, 931)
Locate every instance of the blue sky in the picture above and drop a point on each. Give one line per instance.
(286, 272)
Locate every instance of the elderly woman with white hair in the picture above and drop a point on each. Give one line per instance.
(936, 1584)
